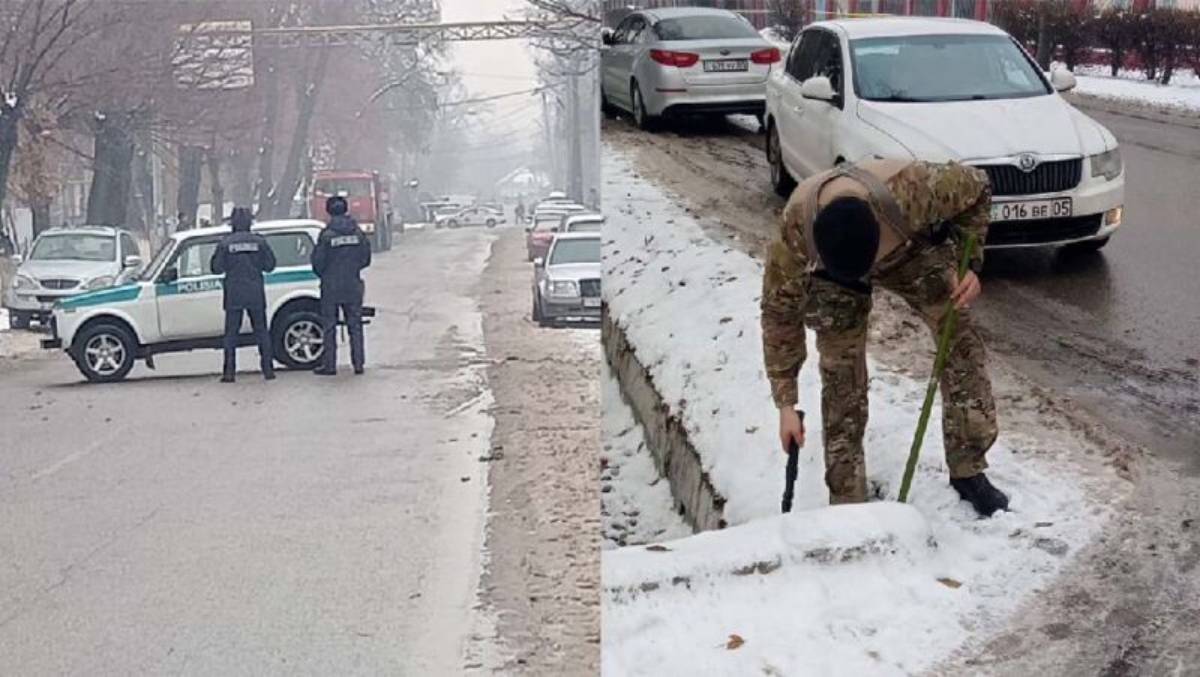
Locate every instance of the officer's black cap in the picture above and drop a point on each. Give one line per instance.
(847, 238)
(336, 206)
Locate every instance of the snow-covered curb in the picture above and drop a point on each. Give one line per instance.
(690, 307)
(1182, 96)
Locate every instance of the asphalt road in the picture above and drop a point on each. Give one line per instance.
(175, 525)
(1116, 331)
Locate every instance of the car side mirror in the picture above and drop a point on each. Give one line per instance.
(133, 261)
(606, 37)
(17, 259)
(818, 87)
(168, 276)
(1062, 80)
(539, 262)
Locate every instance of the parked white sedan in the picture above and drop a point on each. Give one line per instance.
(942, 90)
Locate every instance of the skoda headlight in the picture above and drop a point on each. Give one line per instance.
(563, 288)
(1107, 164)
(25, 282)
(99, 282)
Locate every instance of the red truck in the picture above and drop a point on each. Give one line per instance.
(368, 200)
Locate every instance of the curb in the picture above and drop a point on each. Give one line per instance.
(674, 456)
(1148, 112)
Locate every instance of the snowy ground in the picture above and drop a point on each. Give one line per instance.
(690, 306)
(636, 507)
(1131, 87)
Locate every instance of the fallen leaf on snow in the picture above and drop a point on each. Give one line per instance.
(658, 548)
(735, 642)
(950, 583)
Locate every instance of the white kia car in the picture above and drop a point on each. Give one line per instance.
(942, 90)
(175, 305)
(685, 60)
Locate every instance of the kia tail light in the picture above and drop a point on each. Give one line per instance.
(678, 59)
(767, 56)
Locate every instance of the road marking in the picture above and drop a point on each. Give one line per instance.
(70, 458)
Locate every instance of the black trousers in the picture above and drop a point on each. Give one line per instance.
(329, 318)
(233, 326)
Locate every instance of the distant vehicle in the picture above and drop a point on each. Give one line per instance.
(923, 89)
(175, 305)
(685, 60)
(368, 200)
(582, 223)
(544, 223)
(471, 216)
(66, 262)
(566, 284)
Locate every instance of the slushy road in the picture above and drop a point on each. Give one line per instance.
(174, 525)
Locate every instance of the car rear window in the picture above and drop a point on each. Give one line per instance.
(291, 249)
(709, 27)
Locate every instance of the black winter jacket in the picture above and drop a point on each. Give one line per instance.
(243, 257)
(342, 252)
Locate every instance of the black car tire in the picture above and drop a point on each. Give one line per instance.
(19, 320)
(452, 224)
(536, 313)
(104, 336)
(644, 120)
(606, 108)
(491, 223)
(781, 180)
(290, 328)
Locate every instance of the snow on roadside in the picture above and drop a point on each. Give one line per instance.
(1131, 87)
(690, 307)
(636, 506)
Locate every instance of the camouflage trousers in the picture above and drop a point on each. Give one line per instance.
(839, 317)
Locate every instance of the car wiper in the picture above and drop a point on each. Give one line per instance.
(900, 99)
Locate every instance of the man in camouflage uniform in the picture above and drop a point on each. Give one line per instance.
(899, 225)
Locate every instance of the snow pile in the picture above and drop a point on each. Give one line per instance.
(690, 306)
(772, 35)
(1131, 87)
(635, 502)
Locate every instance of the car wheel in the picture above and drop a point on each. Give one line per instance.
(18, 320)
(781, 179)
(452, 224)
(605, 107)
(536, 313)
(1086, 246)
(491, 223)
(299, 340)
(644, 120)
(104, 352)
(540, 315)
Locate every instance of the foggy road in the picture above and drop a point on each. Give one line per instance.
(1115, 330)
(172, 524)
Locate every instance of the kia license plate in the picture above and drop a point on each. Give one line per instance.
(591, 303)
(1056, 208)
(726, 66)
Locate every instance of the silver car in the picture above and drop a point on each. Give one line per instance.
(65, 262)
(684, 60)
(566, 284)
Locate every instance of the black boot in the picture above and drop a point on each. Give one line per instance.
(325, 371)
(269, 375)
(979, 492)
(227, 378)
(358, 371)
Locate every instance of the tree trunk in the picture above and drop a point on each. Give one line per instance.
(112, 173)
(307, 89)
(143, 182)
(191, 159)
(41, 215)
(266, 147)
(1044, 47)
(242, 191)
(9, 119)
(214, 185)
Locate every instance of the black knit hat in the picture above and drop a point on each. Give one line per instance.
(240, 218)
(846, 235)
(336, 206)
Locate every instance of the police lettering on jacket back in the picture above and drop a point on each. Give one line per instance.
(243, 257)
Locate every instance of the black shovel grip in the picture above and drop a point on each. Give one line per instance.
(792, 470)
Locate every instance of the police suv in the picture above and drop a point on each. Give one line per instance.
(174, 304)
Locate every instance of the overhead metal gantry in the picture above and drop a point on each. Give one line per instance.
(392, 34)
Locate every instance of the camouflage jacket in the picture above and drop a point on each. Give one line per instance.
(928, 194)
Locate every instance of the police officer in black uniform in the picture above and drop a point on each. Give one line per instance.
(243, 257)
(341, 254)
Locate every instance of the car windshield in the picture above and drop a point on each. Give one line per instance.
(582, 250)
(163, 252)
(74, 247)
(706, 27)
(924, 68)
(547, 221)
(356, 187)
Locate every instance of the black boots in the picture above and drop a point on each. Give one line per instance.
(227, 378)
(324, 371)
(979, 492)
